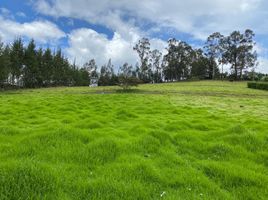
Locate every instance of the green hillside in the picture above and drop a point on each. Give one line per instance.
(189, 140)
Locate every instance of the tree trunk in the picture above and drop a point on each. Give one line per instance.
(213, 68)
(222, 71)
(235, 67)
(213, 72)
(241, 73)
(235, 72)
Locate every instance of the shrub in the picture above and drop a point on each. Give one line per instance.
(258, 85)
(127, 82)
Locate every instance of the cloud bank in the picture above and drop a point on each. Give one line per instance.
(130, 20)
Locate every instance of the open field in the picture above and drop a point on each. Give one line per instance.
(190, 140)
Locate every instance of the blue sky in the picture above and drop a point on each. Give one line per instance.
(104, 29)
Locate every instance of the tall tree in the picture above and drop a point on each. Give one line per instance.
(30, 71)
(239, 51)
(200, 67)
(16, 59)
(156, 56)
(40, 63)
(4, 63)
(91, 68)
(177, 62)
(213, 50)
(143, 50)
(106, 73)
(47, 67)
(61, 68)
(248, 56)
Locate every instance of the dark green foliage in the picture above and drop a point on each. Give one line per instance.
(31, 68)
(107, 75)
(258, 85)
(4, 63)
(16, 60)
(177, 62)
(80, 77)
(201, 66)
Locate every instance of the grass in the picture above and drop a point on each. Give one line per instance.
(190, 140)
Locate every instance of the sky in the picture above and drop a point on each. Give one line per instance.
(104, 29)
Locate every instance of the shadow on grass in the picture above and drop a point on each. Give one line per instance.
(129, 91)
(137, 91)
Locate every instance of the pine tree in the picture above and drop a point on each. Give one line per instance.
(16, 60)
(4, 63)
(30, 71)
(47, 68)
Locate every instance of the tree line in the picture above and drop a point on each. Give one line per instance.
(183, 62)
(30, 67)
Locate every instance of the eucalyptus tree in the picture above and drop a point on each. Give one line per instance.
(143, 50)
(239, 52)
(214, 50)
(200, 66)
(156, 56)
(106, 74)
(248, 56)
(91, 67)
(177, 62)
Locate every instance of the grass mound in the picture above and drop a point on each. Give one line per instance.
(21, 180)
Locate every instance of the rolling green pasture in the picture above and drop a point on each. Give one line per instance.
(189, 140)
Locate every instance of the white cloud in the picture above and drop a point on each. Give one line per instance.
(263, 65)
(128, 20)
(41, 30)
(195, 17)
(262, 58)
(85, 44)
(21, 14)
(6, 13)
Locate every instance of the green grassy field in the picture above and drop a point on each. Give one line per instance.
(195, 140)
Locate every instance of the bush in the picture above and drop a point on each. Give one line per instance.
(127, 82)
(258, 85)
